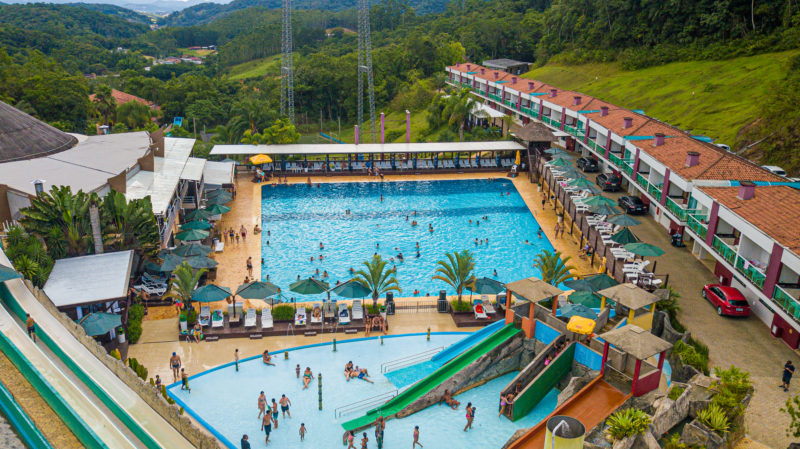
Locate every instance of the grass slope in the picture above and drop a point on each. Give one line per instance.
(257, 68)
(714, 98)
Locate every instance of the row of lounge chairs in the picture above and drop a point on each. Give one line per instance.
(421, 164)
(215, 319)
(320, 312)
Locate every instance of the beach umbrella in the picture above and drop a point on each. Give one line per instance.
(215, 192)
(560, 162)
(259, 159)
(171, 262)
(623, 220)
(191, 249)
(624, 237)
(192, 235)
(604, 209)
(581, 183)
(592, 283)
(586, 298)
(644, 249)
(196, 224)
(598, 200)
(571, 310)
(198, 214)
(581, 325)
(556, 152)
(217, 209)
(219, 194)
(219, 199)
(100, 323)
(486, 286)
(211, 293)
(8, 273)
(257, 290)
(309, 286)
(351, 289)
(517, 160)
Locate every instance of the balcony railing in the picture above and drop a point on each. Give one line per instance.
(614, 159)
(627, 167)
(751, 272)
(724, 250)
(494, 97)
(786, 302)
(555, 124)
(654, 191)
(642, 181)
(546, 120)
(679, 210)
(699, 228)
(510, 104)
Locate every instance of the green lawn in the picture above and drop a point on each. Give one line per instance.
(256, 68)
(395, 123)
(714, 98)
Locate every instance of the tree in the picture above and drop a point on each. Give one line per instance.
(129, 224)
(182, 284)
(104, 103)
(28, 256)
(377, 278)
(553, 268)
(457, 270)
(63, 210)
(457, 109)
(133, 114)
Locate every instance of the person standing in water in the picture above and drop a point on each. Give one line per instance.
(262, 404)
(274, 409)
(416, 438)
(285, 403)
(266, 426)
(470, 415)
(236, 358)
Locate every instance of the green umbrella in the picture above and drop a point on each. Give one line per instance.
(486, 286)
(581, 183)
(171, 262)
(192, 235)
(257, 290)
(219, 199)
(215, 192)
(592, 283)
(198, 214)
(152, 266)
(604, 209)
(211, 293)
(571, 310)
(598, 200)
(217, 209)
(309, 286)
(197, 224)
(556, 152)
(560, 162)
(623, 220)
(625, 236)
(352, 289)
(8, 273)
(100, 323)
(586, 298)
(191, 249)
(644, 249)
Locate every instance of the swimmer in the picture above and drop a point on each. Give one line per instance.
(495, 273)
(476, 240)
(321, 246)
(316, 272)
(417, 244)
(308, 376)
(312, 258)
(325, 273)
(321, 257)
(266, 358)
(413, 223)
(406, 217)
(417, 253)
(377, 245)
(352, 270)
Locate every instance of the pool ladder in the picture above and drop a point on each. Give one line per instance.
(413, 359)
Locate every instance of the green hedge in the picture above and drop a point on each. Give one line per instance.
(135, 316)
(283, 312)
(463, 306)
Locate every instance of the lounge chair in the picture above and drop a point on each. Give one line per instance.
(266, 318)
(344, 314)
(217, 319)
(300, 316)
(250, 318)
(480, 311)
(487, 305)
(358, 310)
(316, 313)
(205, 316)
(151, 290)
(329, 311)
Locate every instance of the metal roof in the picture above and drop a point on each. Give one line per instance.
(503, 62)
(89, 279)
(161, 183)
(218, 173)
(193, 170)
(349, 148)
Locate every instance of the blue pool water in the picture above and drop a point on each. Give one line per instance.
(226, 400)
(299, 217)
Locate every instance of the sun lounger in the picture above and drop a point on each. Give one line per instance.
(329, 311)
(480, 311)
(487, 304)
(266, 318)
(358, 310)
(205, 316)
(300, 316)
(217, 319)
(344, 314)
(150, 290)
(316, 313)
(250, 318)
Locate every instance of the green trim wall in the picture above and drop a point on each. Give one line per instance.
(544, 382)
(21, 422)
(101, 394)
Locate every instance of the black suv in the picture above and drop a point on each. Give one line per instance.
(632, 205)
(587, 164)
(609, 182)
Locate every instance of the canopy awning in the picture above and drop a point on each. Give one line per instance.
(349, 148)
(629, 295)
(636, 341)
(89, 279)
(533, 289)
(484, 111)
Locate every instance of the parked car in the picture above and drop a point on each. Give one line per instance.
(774, 169)
(587, 164)
(632, 205)
(608, 181)
(727, 300)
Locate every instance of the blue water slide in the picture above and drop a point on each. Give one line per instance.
(467, 342)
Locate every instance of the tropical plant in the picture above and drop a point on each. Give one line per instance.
(60, 208)
(714, 418)
(689, 355)
(730, 388)
(627, 423)
(671, 307)
(104, 103)
(792, 408)
(457, 109)
(553, 268)
(675, 392)
(133, 114)
(182, 284)
(457, 270)
(28, 256)
(129, 224)
(377, 278)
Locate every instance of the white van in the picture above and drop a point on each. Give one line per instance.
(774, 169)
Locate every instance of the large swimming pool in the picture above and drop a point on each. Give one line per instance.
(226, 400)
(297, 218)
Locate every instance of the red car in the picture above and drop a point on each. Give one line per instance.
(727, 300)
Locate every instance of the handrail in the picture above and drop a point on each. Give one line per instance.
(402, 362)
(369, 402)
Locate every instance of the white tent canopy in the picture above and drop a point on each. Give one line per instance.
(374, 148)
(483, 111)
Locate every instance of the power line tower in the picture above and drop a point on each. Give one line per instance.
(365, 67)
(287, 63)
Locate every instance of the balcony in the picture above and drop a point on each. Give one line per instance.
(786, 302)
(680, 211)
(723, 249)
(494, 97)
(510, 104)
(695, 225)
(755, 275)
(654, 191)
(546, 120)
(627, 167)
(614, 159)
(642, 181)
(555, 123)
(593, 145)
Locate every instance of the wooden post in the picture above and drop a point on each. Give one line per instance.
(602, 302)
(635, 375)
(555, 305)
(605, 354)
(509, 311)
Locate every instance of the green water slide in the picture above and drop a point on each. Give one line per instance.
(427, 384)
(527, 399)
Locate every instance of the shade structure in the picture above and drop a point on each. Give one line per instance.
(8, 273)
(598, 200)
(560, 162)
(580, 325)
(581, 182)
(571, 310)
(216, 192)
(592, 283)
(351, 289)
(198, 214)
(624, 237)
(210, 293)
(533, 289)
(171, 262)
(219, 200)
(636, 341)
(604, 209)
(191, 249)
(197, 224)
(630, 296)
(217, 209)
(623, 220)
(257, 290)
(259, 159)
(486, 286)
(556, 152)
(192, 235)
(586, 298)
(100, 323)
(309, 286)
(644, 249)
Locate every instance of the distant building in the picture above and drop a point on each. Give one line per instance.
(507, 65)
(122, 98)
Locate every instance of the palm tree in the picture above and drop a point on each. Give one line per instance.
(104, 103)
(457, 270)
(554, 269)
(457, 110)
(182, 284)
(133, 114)
(129, 224)
(377, 279)
(61, 209)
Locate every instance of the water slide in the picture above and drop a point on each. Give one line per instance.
(590, 406)
(544, 381)
(467, 342)
(427, 384)
(144, 422)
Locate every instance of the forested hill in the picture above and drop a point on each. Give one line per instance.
(67, 21)
(113, 10)
(207, 12)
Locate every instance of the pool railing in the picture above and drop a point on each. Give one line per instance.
(412, 359)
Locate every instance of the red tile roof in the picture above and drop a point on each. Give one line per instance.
(122, 98)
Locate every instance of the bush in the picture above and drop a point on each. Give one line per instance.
(676, 392)
(135, 316)
(191, 315)
(115, 353)
(463, 306)
(714, 418)
(136, 312)
(140, 370)
(627, 423)
(283, 312)
(692, 356)
(730, 390)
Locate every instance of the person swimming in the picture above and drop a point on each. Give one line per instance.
(308, 376)
(494, 273)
